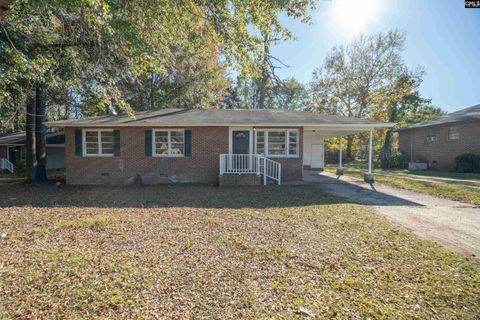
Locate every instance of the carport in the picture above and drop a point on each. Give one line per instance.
(314, 150)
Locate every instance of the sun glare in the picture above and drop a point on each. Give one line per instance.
(354, 15)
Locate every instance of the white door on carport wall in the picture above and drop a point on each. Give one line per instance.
(317, 155)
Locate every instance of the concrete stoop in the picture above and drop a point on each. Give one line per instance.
(229, 180)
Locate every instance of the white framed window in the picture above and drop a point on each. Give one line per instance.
(98, 142)
(168, 143)
(453, 133)
(260, 142)
(277, 142)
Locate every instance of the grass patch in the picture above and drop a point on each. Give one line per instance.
(265, 254)
(444, 174)
(362, 165)
(438, 189)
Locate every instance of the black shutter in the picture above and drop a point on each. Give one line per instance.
(78, 143)
(148, 143)
(188, 143)
(116, 143)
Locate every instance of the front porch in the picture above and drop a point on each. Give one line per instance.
(255, 151)
(248, 169)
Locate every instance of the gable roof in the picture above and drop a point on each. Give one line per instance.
(466, 114)
(220, 117)
(19, 138)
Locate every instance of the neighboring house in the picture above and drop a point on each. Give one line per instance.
(437, 142)
(200, 145)
(12, 148)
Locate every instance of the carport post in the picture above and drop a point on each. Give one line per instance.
(369, 176)
(370, 147)
(340, 156)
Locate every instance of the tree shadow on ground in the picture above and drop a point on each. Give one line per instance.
(354, 192)
(195, 196)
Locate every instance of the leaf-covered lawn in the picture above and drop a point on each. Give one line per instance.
(205, 252)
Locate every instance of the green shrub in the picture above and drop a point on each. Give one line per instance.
(468, 162)
(393, 160)
(20, 168)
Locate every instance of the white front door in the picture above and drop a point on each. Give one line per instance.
(317, 153)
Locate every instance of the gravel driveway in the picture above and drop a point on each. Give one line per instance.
(453, 224)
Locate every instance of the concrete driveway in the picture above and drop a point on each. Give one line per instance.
(453, 224)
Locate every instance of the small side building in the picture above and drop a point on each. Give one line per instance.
(437, 142)
(12, 148)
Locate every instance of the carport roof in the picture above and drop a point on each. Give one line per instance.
(221, 117)
(19, 138)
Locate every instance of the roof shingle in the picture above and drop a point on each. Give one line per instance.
(217, 117)
(466, 114)
(19, 138)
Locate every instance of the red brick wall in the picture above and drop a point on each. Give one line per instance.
(201, 167)
(443, 151)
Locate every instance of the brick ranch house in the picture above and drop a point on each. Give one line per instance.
(437, 142)
(200, 146)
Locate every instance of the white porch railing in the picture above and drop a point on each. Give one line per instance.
(5, 164)
(251, 164)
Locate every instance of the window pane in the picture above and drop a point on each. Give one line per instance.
(260, 142)
(161, 142)
(292, 145)
(91, 136)
(106, 138)
(91, 142)
(177, 149)
(161, 136)
(260, 136)
(276, 142)
(107, 150)
(92, 148)
(260, 148)
(293, 136)
(161, 148)
(276, 149)
(276, 136)
(292, 149)
(453, 133)
(176, 136)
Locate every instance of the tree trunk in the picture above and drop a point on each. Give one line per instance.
(349, 147)
(31, 160)
(265, 74)
(152, 92)
(387, 144)
(263, 89)
(40, 135)
(67, 109)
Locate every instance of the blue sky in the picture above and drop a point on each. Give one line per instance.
(442, 36)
